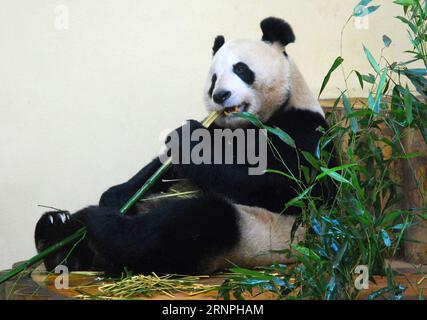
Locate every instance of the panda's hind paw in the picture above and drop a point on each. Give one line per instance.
(53, 227)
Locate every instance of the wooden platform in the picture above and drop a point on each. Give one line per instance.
(40, 286)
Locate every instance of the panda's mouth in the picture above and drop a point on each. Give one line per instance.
(243, 107)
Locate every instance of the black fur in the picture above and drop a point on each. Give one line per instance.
(180, 236)
(277, 30)
(218, 43)
(244, 72)
(212, 87)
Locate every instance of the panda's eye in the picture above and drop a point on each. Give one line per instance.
(243, 71)
(240, 67)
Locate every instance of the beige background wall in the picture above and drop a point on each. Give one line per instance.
(81, 109)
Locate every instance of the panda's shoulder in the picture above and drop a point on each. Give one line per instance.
(296, 119)
(302, 125)
(291, 116)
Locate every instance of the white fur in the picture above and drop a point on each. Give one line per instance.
(261, 232)
(301, 95)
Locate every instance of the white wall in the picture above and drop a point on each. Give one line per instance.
(81, 109)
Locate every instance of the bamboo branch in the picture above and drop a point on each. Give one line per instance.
(81, 232)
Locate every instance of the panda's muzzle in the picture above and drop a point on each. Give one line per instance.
(243, 107)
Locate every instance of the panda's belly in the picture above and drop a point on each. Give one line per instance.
(261, 232)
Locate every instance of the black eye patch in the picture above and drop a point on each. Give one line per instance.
(244, 72)
(213, 81)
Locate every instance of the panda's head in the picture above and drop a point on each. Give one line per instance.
(250, 75)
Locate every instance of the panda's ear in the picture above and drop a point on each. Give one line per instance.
(219, 41)
(277, 30)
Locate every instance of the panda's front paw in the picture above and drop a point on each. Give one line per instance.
(55, 226)
(190, 126)
(183, 134)
(184, 139)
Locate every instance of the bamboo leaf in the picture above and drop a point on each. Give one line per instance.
(407, 99)
(338, 61)
(416, 72)
(376, 294)
(363, 11)
(377, 104)
(297, 201)
(342, 167)
(338, 177)
(372, 9)
(410, 155)
(371, 60)
(420, 84)
(286, 138)
(387, 41)
(306, 251)
(251, 273)
(360, 78)
(404, 2)
(333, 173)
(390, 217)
(282, 174)
(386, 238)
(370, 78)
(411, 26)
(331, 287)
(399, 226)
(339, 255)
(353, 120)
(249, 117)
(371, 103)
(311, 159)
(317, 152)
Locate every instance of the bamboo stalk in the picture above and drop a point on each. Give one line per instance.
(81, 232)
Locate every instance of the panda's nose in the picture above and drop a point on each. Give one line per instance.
(220, 96)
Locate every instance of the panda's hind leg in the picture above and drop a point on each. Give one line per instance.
(52, 228)
(180, 236)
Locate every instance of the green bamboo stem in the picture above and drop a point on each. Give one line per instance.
(81, 232)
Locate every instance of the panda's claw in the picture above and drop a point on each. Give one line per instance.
(63, 217)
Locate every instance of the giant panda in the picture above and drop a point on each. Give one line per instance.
(236, 218)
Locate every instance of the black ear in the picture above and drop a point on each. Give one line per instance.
(277, 30)
(219, 41)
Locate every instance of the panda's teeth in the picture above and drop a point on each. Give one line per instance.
(238, 108)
